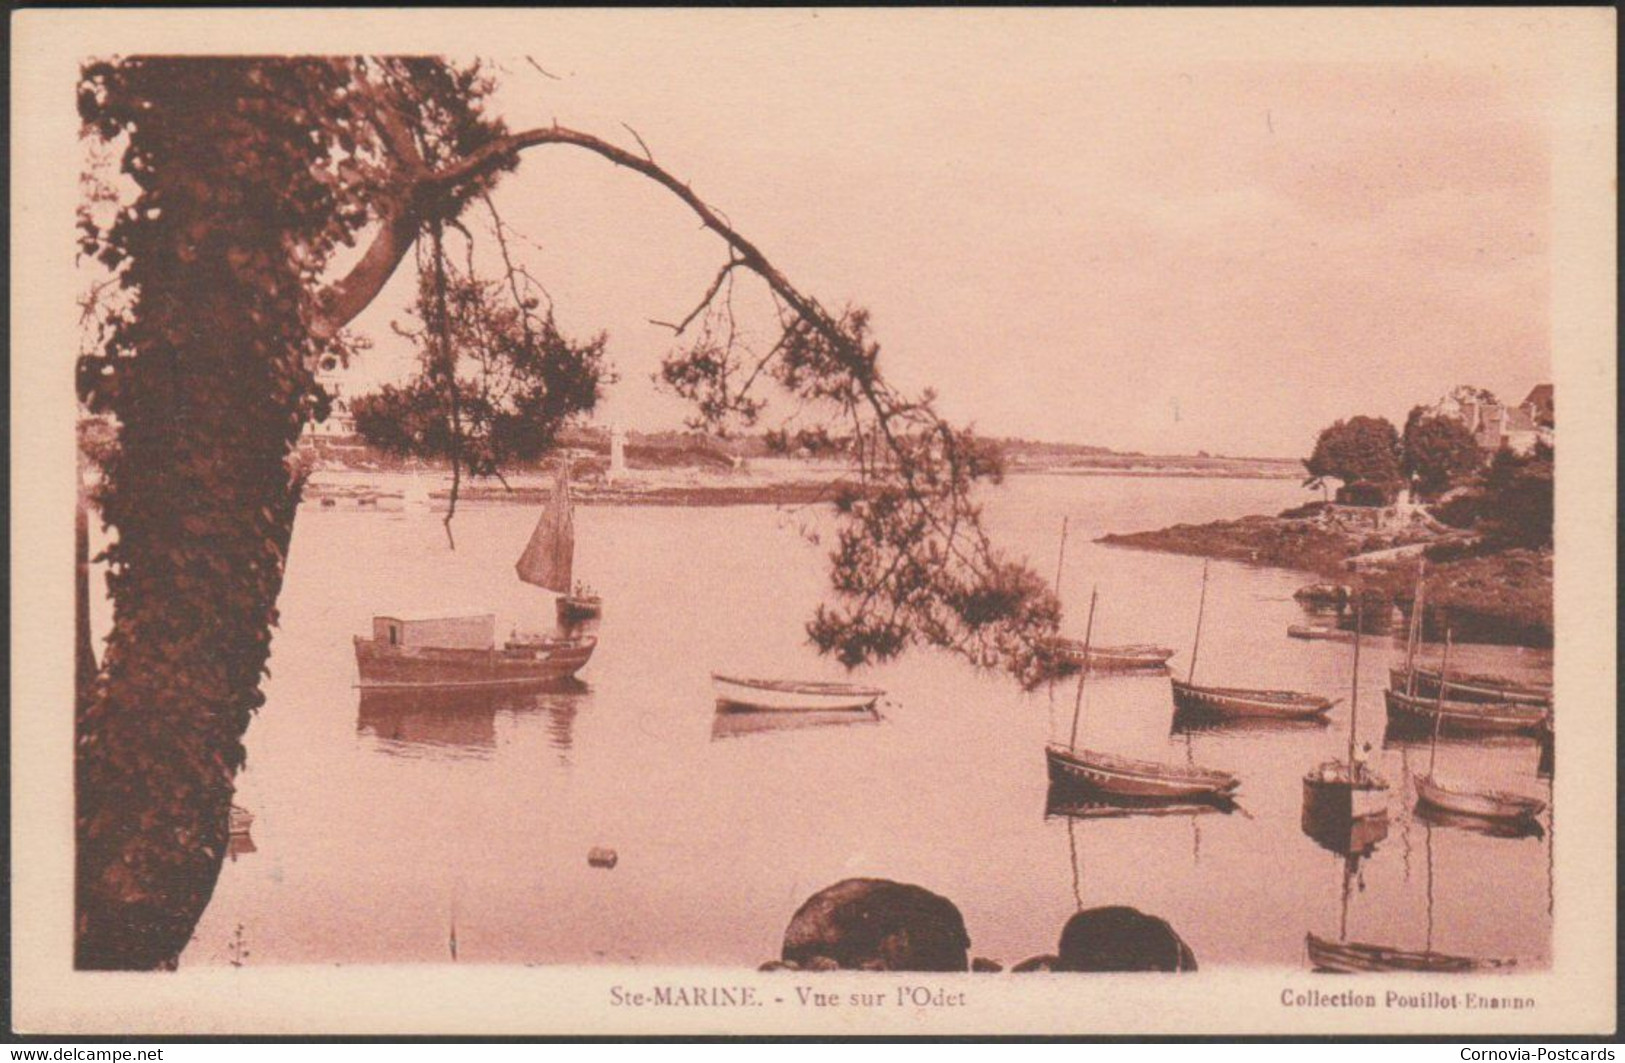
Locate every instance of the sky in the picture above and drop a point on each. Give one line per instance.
(1073, 232)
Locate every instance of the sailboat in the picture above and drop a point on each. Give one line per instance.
(1464, 687)
(549, 557)
(1346, 789)
(1484, 804)
(1140, 658)
(1090, 771)
(1235, 702)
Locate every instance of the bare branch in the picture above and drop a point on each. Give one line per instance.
(705, 301)
(538, 68)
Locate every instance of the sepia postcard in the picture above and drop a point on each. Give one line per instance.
(814, 522)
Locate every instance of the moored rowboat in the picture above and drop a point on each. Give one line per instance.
(1234, 701)
(1352, 957)
(1104, 773)
(1464, 686)
(1131, 658)
(241, 820)
(1462, 717)
(780, 695)
(1484, 804)
(1315, 631)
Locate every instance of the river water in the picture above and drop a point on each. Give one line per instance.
(401, 832)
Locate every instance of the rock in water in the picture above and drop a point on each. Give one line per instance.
(875, 923)
(1118, 938)
(1036, 963)
(983, 965)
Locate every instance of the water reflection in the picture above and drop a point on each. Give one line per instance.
(1188, 723)
(1489, 828)
(738, 723)
(463, 722)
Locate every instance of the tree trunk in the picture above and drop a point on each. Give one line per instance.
(209, 383)
(160, 740)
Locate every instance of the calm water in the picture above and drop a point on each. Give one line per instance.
(379, 826)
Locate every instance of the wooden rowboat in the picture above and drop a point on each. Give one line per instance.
(1316, 631)
(1484, 804)
(781, 695)
(1234, 701)
(1462, 717)
(1351, 957)
(1089, 771)
(1464, 686)
(1131, 658)
(242, 820)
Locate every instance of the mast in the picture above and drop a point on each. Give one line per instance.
(1417, 625)
(1088, 633)
(1438, 712)
(1201, 607)
(1060, 561)
(1354, 693)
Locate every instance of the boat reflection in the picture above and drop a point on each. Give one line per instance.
(463, 721)
(240, 845)
(1408, 738)
(1352, 836)
(1186, 722)
(1065, 802)
(738, 723)
(1490, 828)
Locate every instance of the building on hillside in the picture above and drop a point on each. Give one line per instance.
(1495, 425)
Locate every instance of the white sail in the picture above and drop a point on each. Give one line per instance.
(549, 555)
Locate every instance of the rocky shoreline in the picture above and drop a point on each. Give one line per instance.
(1495, 596)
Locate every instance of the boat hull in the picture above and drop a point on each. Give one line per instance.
(1228, 702)
(1352, 957)
(1462, 717)
(1470, 688)
(1087, 771)
(385, 667)
(1151, 659)
(742, 695)
(1329, 634)
(1495, 806)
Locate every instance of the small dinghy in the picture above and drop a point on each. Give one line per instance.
(1140, 657)
(1352, 957)
(1317, 631)
(1484, 804)
(736, 693)
(242, 820)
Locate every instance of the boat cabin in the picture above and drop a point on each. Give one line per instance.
(442, 631)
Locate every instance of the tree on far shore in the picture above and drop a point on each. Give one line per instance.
(1438, 451)
(1359, 450)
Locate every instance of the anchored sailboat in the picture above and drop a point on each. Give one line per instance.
(549, 557)
(1094, 772)
(1484, 804)
(1346, 789)
(1235, 702)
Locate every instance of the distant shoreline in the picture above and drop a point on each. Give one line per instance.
(787, 483)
